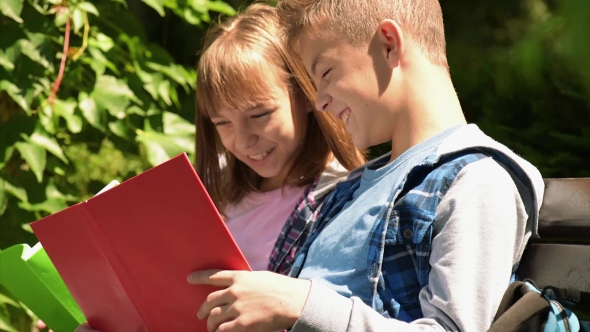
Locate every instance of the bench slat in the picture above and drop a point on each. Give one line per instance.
(565, 212)
(560, 265)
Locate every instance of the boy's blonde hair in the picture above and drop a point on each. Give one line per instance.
(230, 74)
(358, 20)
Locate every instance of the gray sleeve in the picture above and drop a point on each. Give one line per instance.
(480, 233)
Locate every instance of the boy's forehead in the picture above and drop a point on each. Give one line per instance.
(314, 48)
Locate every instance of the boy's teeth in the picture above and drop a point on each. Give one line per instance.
(259, 156)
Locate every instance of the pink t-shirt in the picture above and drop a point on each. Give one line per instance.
(257, 220)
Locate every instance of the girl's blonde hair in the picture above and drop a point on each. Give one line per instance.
(230, 75)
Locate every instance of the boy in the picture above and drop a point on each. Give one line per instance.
(424, 239)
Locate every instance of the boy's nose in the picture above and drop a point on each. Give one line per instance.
(322, 102)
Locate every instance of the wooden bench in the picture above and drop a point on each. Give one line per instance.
(561, 257)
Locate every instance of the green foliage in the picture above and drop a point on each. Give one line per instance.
(521, 75)
(86, 97)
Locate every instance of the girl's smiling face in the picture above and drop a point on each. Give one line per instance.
(268, 135)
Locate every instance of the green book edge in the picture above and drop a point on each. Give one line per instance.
(29, 275)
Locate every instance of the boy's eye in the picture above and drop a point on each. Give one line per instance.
(256, 116)
(326, 73)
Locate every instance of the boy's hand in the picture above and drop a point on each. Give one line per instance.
(251, 301)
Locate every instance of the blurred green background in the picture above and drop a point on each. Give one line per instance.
(123, 100)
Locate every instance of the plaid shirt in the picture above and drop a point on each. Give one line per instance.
(295, 231)
(401, 238)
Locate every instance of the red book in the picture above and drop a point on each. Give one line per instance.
(125, 254)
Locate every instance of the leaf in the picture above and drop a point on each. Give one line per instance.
(176, 125)
(42, 139)
(174, 98)
(3, 200)
(31, 50)
(5, 324)
(41, 86)
(5, 61)
(161, 147)
(164, 91)
(15, 93)
(99, 62)
(35, 156)
(19, 193)
(113, 95)
(27, 228)
(88, 7)
(175, 72)
(46, 118)
(151, 81)
(158, 5)
(98, 67)
(51, 206)
(156, 153)
(104, 42)
(190, 15)
(66, 109)
(221, 7)
(12, 9)
(119, 128)
(5, 155)
(199, 5)
(135, 110)
(51, 191)
(91, 113)
(8, 299)
(62, 16)
(78, 19)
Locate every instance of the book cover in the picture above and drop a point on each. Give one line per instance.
(125, 254)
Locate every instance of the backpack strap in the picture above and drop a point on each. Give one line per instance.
(525, 308)
(520, 305)
(567, 295)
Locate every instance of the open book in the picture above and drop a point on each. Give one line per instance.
(125, 254)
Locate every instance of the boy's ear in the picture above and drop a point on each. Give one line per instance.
(392, 41)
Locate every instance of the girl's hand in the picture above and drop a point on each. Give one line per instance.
(250, 301)
(40, 325)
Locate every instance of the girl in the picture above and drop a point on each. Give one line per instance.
(266, 158)
(261, 149)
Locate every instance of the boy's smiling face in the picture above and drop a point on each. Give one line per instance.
(352, 81)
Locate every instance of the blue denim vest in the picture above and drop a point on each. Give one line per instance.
(401, 238)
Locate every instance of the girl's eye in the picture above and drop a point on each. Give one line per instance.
(260, 115)
(220, 123)
(326, 73)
